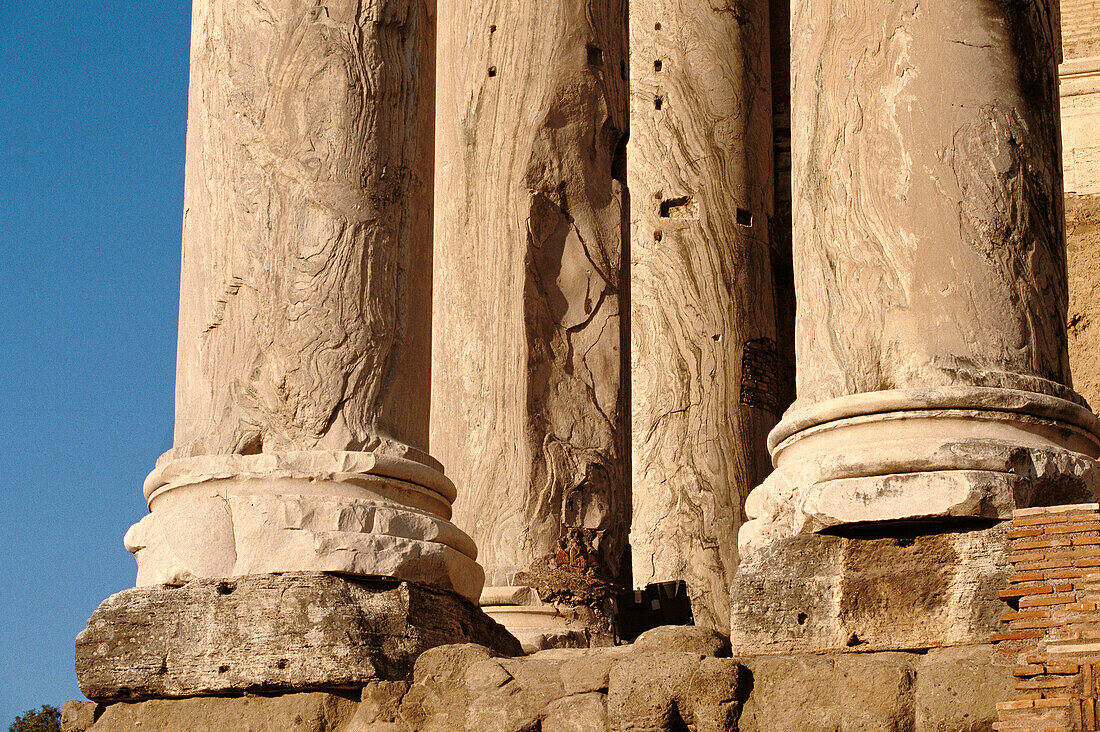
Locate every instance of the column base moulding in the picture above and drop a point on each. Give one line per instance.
(900, 589)
(270, 633)
(351, 512)
(542, 625)
(929, 455)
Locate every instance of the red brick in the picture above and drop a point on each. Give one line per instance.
(1043, 600)
(1041, 544)
(1016, 635)
(1033, 669)
(1019, 523)
(1069, 528)
(1021, 591)
(1025, 615)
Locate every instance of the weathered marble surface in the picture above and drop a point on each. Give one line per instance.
(891, 590)
(306, 279)
(1083, 252)
(305, 306)
(933, 371)
(528, 400)
(704, 366)
(929, 248)
(270, 634)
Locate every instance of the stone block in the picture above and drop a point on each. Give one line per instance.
(438, 697)
(958, 689)
(894, 590)
(270, 633)
(578, 713)
(683, 639)
(77, 716)
(849, 692)
(666, 691)
(304, 712)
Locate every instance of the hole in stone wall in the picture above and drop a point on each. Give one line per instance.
(657, 65)
(492, 29)
(802, 618)
(225, 588)
(681, 207)
(222, 669)
(744, 218)
(492, 71)
(656, 26)
(658, 102)
(657, 236)
(595, 56)
(282, 663)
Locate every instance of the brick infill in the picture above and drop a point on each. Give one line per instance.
(1052, 633)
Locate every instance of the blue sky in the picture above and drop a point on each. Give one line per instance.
(93, 102)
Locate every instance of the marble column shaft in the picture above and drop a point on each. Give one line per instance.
(303, 375)
(933, 380)
(528, 396)
(705, 383)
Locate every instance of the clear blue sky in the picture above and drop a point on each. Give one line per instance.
(93, 99)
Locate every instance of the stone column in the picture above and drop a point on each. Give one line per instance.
(299, 534)
(305, 310)
(704, 367)
(933, 380)
(528, 401)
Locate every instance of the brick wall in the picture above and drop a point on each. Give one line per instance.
(1080, 28)
(1052, 637)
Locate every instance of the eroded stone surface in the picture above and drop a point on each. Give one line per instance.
(859, 692)
(704, 362)
(269, 633)
(958, 689)
(468, 687)
(304, 712)
(529, 406)
(903, 590)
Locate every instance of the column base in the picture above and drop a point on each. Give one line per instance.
(903, 588)
(270, 633)
(922, 455)
(538, 625)
(355, 513)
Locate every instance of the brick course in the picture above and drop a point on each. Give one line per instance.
(1052, 632)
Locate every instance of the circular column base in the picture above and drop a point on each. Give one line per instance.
(319, 511)
(922, 455)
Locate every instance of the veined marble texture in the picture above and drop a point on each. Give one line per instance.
(704, 366)
(929, 246)
(305, 294)
(528, 400)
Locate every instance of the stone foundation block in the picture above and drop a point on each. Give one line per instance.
(891, 591)
(270, 633)
(305, 712)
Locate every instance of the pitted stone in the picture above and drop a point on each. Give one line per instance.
(270, 633)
